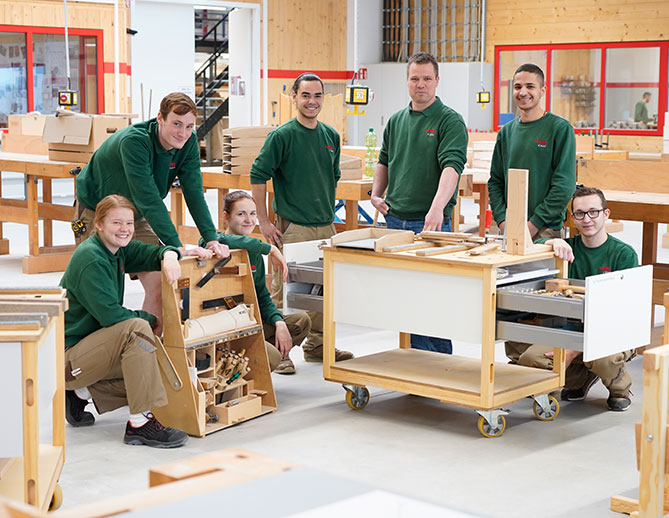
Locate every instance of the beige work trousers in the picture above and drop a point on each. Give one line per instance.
(611, 369)
(118, 365)
(299, 325)
(294, 233)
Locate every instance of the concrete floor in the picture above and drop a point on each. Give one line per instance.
(409, 445)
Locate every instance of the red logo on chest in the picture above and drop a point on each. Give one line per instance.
(329, 148)
(253, 267)
(605, 268)
(430, 132)
(541, 143)
(173, 165)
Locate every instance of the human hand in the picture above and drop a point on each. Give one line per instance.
(282, 338)
(271, 234)
(533, 228)
(171, 266)
(220, 250)
(433, 220)
(198, 252)
(278, 262)
(562, 249)
(380, 204)
(570, 354)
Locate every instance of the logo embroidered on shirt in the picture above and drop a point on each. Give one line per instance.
(173, 165)
(541, 143)
(605, 268)
(329, 148)
(253, 267)
(429, 132)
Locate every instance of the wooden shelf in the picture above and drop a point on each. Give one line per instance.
(455, 378)
(50, 464)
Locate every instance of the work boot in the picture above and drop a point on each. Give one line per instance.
(619, 403)
(74, 410)
(580, 393)
(316, 355)
(154, 434)
(286, 366)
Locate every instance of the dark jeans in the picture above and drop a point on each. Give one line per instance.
(427, 343)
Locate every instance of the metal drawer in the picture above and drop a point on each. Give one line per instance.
(518, 297)
(310, 273)
(305, 301)
(533, 334)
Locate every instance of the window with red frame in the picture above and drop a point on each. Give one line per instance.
(613, 88)
(33, 69)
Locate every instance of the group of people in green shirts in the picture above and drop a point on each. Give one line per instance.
(124, 227)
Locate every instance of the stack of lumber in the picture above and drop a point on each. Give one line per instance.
(241, 146)
(351, 167)
(482, 154)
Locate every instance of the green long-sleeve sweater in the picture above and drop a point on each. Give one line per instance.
(256, 249)
(547, 148)
(303, 165)
(95, 282)
(417, 147)
(134, 164)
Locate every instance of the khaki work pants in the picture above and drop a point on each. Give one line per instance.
(611, 369)
(299, 325)
(118, 365)
(293, 233)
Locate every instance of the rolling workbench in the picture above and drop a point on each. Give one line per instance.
(456, 295)
(36, 168)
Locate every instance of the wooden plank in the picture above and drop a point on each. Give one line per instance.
(42, 263)
(624, 176)
(518, 235)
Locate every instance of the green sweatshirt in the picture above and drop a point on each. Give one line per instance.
(256, 249)
(304, 166)
(547, 148)
(134, 164)
(641, 112)
(417, 147)
(95, 282)
(611, 256)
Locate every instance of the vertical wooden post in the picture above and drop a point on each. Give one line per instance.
(47, 223)
(33, 225)
(488, 337)
(517, 234)
(328, 313)
(665, 338)
(30, 423)
(653, 432)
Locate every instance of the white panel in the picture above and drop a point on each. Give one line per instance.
(46, 385)
(617, 312)
(11, 408)
(432, 304)
(241, 47)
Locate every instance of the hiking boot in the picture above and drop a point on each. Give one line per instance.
(74, 410)
(316, 355)
(154, 434)
(286, 366)
(619, 403)
(580, 393)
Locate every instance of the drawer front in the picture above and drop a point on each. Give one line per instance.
(305, 301)
(305, 273)
(552, 337)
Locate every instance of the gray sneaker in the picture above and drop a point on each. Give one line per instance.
(316, 355)
(580, 393)
(286, 366)
(155, 435)
(619, 403)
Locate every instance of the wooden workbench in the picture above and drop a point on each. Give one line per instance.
(351, 191)
(36, 168)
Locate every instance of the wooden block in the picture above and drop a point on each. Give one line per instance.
(247, 132)
(614, 226)
(615, 175)
(349, 162)
(351, 174)
(485, 249)
(46, 263)
(624, 505)
(556, 284)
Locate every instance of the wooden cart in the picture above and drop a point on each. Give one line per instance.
(32, 437)
(196, 404)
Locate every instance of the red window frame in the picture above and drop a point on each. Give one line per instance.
(662, 95)
(30, 30)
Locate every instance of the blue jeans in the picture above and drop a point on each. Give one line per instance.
(427, 343)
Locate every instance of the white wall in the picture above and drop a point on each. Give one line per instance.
(241, 44)
(162, 52)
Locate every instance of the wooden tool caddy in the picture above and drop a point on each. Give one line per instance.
(200, 402)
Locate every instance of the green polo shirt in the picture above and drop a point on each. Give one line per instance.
(95, 283)
(641, 112)
(303, 164)
(610, 256)
(134, 164)
(256, 249)
(545, 147)
(417, 146)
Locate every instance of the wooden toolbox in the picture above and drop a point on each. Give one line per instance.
(202, 401)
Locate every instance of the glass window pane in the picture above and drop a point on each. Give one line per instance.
(575, 77)
(632, 74)
(13, 87)
(50, 73)
(509, 61)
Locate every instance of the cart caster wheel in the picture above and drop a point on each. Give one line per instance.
(56, 498)
(542, 415)
(357, 398)
(489, 431)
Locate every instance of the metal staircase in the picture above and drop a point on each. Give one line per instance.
(211, 78)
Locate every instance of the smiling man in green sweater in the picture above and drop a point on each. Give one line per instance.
(141, 162)
(545, 145)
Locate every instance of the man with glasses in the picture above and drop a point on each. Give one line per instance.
(590, 252)
(544, 144)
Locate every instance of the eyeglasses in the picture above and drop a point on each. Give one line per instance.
(592, 213)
